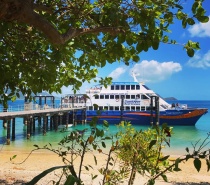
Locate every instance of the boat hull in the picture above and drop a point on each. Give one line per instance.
(171, 117)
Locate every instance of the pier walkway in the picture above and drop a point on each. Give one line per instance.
(34, 113)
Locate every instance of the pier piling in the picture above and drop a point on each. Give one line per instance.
(8, 132)
(13, 129)
(64, 116)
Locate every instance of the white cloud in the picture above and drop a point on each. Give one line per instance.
(200, 61)
(200, 30)
(153, 71)
(117, 72)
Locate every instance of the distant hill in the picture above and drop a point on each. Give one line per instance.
(170, 98)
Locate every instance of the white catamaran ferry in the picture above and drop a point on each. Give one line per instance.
(133, 102)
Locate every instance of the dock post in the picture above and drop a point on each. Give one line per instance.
(25, 121)
(151, 110)
(67, 119)
(74, 118)
(44, 125)
(122, 108)
(61, 119)
(34, 124)
(28, 128)
(4, 123)
(51, 122)
(8, 132)
(157, 110)
(56, 122)
(39, 121)
(13, 129)
(85, 115)
(47, 116)
(31, 124)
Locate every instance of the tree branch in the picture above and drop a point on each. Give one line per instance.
(23, 11)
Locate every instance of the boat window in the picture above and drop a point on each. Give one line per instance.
(122, 87)
(148, 108)
(90, 108)
(111, 96)
(106, 96)
(127, 108)
(137, 96)
(117, 96)
(127, 87)
(96, 96)
(112, 87)
(144, 97)
(142, 108)
(133, 87)
(137, 108)
(117, 87)
(105, 107)
(133, 97)
(132, 108)
(95, 107)
(101, 96)
(122, 96)
(111, 108)
(127, 96)
(146, 87)
(137, 87)
(100, 108)
(116, 108)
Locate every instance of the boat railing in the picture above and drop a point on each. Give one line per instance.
(178, 106)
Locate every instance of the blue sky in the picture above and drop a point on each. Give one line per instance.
(169, 71)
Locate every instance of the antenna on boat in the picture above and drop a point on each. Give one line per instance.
(134, 77)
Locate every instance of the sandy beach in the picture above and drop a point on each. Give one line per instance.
(15, 173)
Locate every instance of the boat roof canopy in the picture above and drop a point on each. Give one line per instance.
(125, 83)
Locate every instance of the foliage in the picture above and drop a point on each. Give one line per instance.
(131, 151)
(142, 150)
(47, 44)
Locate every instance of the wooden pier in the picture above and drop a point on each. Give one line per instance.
(56, 117)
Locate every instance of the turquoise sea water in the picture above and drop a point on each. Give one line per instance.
(183, 136)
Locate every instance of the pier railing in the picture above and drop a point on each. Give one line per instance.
(31, 106)
(25, 107)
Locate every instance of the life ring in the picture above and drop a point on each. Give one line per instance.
(117, 100)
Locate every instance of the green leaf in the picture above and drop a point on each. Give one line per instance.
(139, 47)
(135, 58)
(190, 21)
(164, 177)
(176, 168)
(13, 157)
(86, 167)
(164, 158)
(197, 164)
(194, 7)
(153, 142)
(184, 23)
(95, 160)
(208, 164)
(155, 44)
(190, 52)
(203, 19)
(94, 177)
(103, 144)
(165, 39)
(71, 180)
(43, 174)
